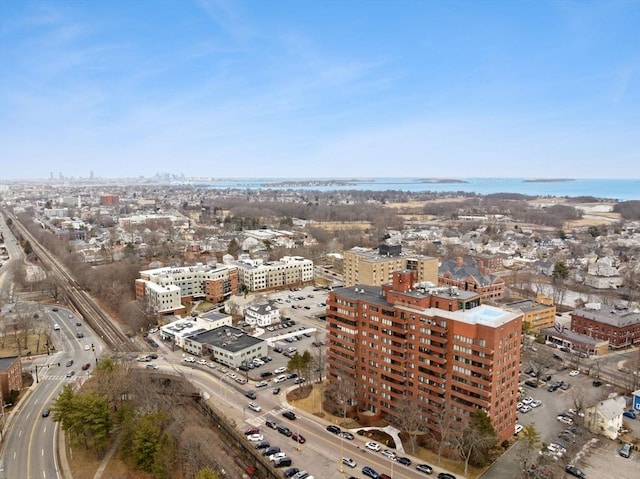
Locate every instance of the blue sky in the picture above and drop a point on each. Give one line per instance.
(332, 88)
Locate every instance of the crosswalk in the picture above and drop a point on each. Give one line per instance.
(258, 421)
(57, 378)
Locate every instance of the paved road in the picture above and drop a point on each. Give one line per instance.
(30, 440)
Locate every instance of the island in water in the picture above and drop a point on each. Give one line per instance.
(440, 180)
(548, 180)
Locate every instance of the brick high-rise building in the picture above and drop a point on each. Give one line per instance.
(438, 347)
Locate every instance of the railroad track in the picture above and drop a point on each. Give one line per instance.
(91, 311)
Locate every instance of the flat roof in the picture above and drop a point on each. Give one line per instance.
(483, 314)
(613, 317)
(528, 305)
(228, 338)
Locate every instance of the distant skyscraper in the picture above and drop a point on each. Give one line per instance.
(91, 175)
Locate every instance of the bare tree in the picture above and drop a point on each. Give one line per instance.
(408, 418)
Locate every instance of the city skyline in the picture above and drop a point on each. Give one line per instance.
(250, 89)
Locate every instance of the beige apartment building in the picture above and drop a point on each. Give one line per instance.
(375, 267)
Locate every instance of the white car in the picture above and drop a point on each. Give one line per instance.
(254, 407)
(189, 359)
(279, 379)
(525, 409)
(202, 362)
(389, 453)
(349, 461)
(536, 403)
(519, 428)
(374, 446)
(528, 400)
(279, 370)
(574, 373)
(211, 364)
(565, 420)
(277, 455)
(87, 347)
(255, 437)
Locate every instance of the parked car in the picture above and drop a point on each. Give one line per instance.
(374, 446)
(389, 453)
(277, 455)
(270, 450)
(565, 419)
(405, 461)
(333, 429)
(255, 437)
(574, 471)
(597, 383)
(531, 383)
(573, 373)
(262, 384)
(282, 462)
(346, 435)
(291, 472)
(285, 431)
(519, 429)
(446, 475)
(426, 468)
(625, 450)
(263, 445)
(629, 414)
(149, 366)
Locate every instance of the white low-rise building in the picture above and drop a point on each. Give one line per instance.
(262, 315)
(606, 417)
(181, 330)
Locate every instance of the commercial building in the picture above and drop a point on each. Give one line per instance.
(437, 347)
(537, 314)
(619, 326)
(375, 267)
(257, 275)
(227, 345)
(168, 289)
(178, 332)
(10, 376)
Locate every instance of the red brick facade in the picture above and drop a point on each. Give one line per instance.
(391, 343)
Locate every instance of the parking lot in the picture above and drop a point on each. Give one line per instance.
(603, 460)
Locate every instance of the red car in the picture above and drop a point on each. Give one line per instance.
(253, 430)
(86, 366)
(298, 438)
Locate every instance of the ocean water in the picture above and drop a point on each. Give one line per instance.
(615, 189)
